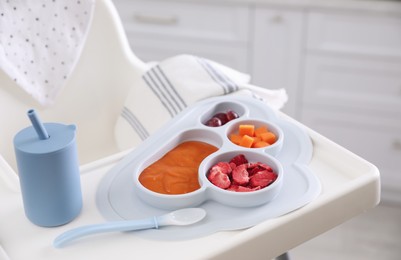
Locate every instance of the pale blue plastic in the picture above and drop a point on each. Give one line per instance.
(118, 197)
(126, 225)
(38, 125)
(49, 174)
(182, 217)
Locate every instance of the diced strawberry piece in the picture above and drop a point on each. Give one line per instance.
(243, 189)
(255, 170)
(219, 179)
(233, 187)
(240, 175)
(252, 165)
(233, 165)
(246, 189)
(260, 165)
(267, 167)
(224, 167)
(212, 174)
(220, 168)
(239, 159)
(262, 179)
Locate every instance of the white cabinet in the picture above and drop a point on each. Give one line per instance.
(353, 33)
(161, 29)
(360, 82)
(351, 90)
(277, 50)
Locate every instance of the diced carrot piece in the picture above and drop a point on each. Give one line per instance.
(256, 140)
(260, 130)
(268, 137)
(246, 130)
(236, 139)
(260, 144)
(246, 141)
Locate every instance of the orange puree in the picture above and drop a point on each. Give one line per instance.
(177, 171)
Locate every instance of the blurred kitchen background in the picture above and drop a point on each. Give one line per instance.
(340, 63)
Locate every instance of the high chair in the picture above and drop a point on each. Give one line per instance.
(93, 99)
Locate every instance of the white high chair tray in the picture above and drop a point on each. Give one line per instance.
(350, 185)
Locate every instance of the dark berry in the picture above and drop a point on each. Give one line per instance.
(223, 117)
(214, 122)
(231, 115)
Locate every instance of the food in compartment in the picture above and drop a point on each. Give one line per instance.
(177, 171)
(239, 175)
(222, 118)
(250, 136)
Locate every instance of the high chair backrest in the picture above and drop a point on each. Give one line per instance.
(93, 97)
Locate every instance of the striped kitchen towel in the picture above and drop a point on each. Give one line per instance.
(175, 83)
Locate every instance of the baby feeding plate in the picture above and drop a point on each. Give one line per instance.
(121, 196)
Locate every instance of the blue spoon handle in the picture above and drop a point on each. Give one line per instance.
(126, 225)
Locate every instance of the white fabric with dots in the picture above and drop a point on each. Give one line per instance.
(41, 42)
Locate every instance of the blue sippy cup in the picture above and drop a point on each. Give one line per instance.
(48, 170)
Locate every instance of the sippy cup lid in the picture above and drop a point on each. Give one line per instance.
(44, 138)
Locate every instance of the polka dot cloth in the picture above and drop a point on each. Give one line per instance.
(41, 41)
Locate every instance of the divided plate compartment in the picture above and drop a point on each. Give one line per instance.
(218, 137)
(121, 196)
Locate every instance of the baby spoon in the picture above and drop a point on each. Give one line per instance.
(179, 217)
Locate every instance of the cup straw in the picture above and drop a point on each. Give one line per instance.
(37, 124)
